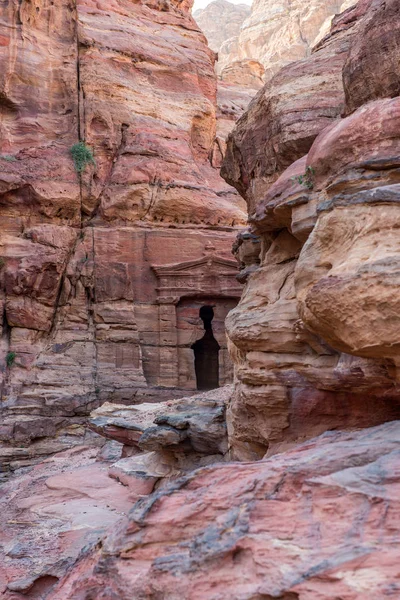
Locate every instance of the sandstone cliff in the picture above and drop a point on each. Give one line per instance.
(221, 20)
(315, 341)
(94, 264)
(314, 337)
(280, 32)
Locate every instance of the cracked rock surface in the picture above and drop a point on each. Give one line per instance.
(315, 523)
(175, 436)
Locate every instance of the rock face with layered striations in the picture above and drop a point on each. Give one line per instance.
(167, 437)
(315, 336)
(315, 340)
(289, 112)
(220, 21)
(317, 523)
(279, 32)
(103, 272)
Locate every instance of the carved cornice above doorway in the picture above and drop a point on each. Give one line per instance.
(210, 275)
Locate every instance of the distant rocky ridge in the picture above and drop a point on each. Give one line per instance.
(221, 20)
(270, 36)
(282, 31)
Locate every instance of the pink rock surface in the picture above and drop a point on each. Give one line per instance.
(371, 69)
(80, 307)
(317, 523)
(51, 512)
(316, 337)
(285, 117)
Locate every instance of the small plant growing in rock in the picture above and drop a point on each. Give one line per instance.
(306, 179)
(9, 158)
(10, 359)
(82, 156)
(2, 262)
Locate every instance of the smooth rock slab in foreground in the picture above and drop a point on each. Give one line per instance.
(316, 523)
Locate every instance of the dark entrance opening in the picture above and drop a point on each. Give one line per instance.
(206, 361)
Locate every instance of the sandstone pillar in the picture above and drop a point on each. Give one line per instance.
(168, 358)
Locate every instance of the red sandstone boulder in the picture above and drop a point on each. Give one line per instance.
(315, 335)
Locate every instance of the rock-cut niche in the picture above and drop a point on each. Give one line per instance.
(206, 353)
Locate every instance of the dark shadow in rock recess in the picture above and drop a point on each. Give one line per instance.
(206, 350)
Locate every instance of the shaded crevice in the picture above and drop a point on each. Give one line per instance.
(91, 299)
(61, 284)
(120, 149)
(206, 354)
(80, 104)
(78, 74)
(287, 276)
(6, 335)
(157, 185)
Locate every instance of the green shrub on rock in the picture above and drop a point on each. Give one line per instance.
(82, 156)
(10, 358)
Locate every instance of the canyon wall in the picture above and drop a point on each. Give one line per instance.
(220, 21)
(279, 32)
(103, 272)
(315, 337)
(315, 340)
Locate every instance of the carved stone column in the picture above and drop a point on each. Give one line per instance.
(168, 342)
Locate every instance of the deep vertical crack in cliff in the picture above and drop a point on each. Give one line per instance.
(92, 300)
(6, 334)
(108, 180)
(156, 186)
(80, 102)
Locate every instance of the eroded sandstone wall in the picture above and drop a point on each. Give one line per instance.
(221, 20)
(279, 32)
(315, 340)
(82, 308)
(315, 337)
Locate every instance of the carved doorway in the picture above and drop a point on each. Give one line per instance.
(183, 288)
(191, 329)
(206, 353)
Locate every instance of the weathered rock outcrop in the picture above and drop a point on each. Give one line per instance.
(371, 68)
(316, 523)
(289, 112)
(167, 438)
(279, 32)
(52, 511)
(220, 21)
(316, 337)
(94, 266)
(68, 501)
